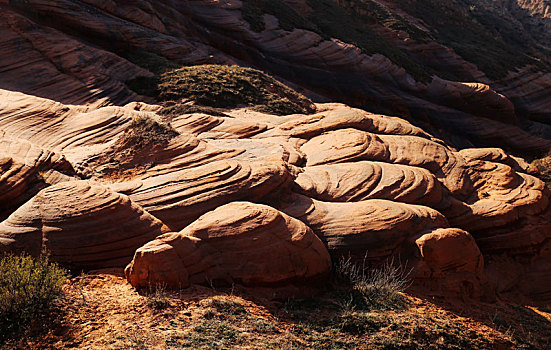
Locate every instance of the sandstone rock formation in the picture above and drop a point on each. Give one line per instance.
(470, 89)
(455, 251)
(242, 242)
(366, 185)
(180, 197)
(80, 225)
(96, 174)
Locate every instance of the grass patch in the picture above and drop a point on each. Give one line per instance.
(226, 306)
(231, 86)
(158, 297)
(212, 334)
(28, 289)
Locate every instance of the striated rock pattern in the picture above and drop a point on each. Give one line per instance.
(180, 197)
(359, 184)
(357, 181)
(80, 225)
(25, 169)
(261, 199)
(242, 242)
(373, 229)
(66, 50)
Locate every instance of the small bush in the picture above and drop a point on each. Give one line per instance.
(145, 132)
(158, 297)
(375, 287)
(544, 168)
(28, 288)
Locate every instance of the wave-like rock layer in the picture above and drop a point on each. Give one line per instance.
(478, 88)
(81, 225)
(269, 205)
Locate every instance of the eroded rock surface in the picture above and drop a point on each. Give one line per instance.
(80, 225)
(243, 242)
(335, 182)
(411, 64)
(339, 182)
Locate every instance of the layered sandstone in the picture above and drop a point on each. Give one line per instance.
(257, 198)
(80, 225)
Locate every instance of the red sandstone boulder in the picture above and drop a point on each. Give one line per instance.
(243, 242)
(452, 262)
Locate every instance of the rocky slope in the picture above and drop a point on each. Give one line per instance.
(338, 182)
(390, 58)
(112, 157)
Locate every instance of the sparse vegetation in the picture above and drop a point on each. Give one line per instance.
(478, 31)
(225, 306)
(132, 151)
(158, 297)
(327, 18)
(372, 287)
(210, 88)
(544, 168)
(231, 86)
(116, 316)
(28, 289)
(145, 132)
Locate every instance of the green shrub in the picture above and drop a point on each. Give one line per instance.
(377, 287)
(28, 288)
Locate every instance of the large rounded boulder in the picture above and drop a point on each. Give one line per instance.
(252, 244)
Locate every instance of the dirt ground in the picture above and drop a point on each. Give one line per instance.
(103, 311)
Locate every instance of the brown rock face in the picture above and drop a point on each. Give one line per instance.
(366, 185)
(243, 242)
(80, 225)
(411, 66)
(375, 229)
(25, 169)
